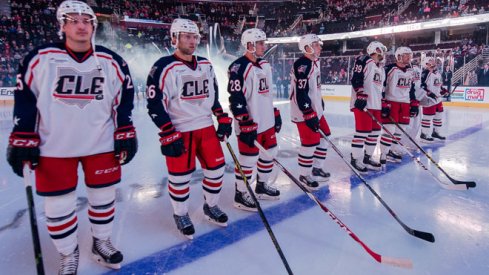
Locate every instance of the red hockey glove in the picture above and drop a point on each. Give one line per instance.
(23, 148)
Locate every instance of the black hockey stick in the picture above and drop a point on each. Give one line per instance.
(404, 263)
(442, 184)
(416, 233)
(33, 220)
(258, 207)
(469, 184)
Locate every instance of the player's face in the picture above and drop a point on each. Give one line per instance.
(260, 48)
(78, 28)
(187, 42)
(317, 48)
(406, 59)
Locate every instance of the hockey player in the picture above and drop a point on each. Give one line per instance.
(182, 95)
(251, 102)
(73, 105)
(399, 103)
(307, 111)
(367, 83)
(432, 84)
(415, 122)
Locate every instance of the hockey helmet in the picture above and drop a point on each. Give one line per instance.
(402, 51)
(376, 47)
(307, 40)
(180, 25)
(79, 7)
(428, 62)
(252, 36)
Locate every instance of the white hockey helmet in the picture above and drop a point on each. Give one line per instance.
(79, 7)
(402, 51)
(376, 47)
(307, 40)
(252, 36)
(428, 62)
(180, 25)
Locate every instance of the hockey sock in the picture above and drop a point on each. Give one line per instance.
(212, 185)
(62, 222)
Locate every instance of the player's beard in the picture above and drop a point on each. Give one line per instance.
(187, 51)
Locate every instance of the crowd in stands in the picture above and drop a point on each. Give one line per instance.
(33, 23)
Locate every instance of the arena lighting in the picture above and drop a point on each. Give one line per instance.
(434, 24)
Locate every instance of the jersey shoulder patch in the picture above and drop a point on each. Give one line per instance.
(302, 65)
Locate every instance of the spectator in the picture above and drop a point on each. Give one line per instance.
(447, 80)
(483, 76)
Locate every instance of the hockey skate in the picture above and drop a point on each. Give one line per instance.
(243, 200)
(394, 157)
(320, 174)
(69, 263)
(184, 225)
(309, 183)
(215, 215)
(436, 135)
(358, 165)
(264, 191)
(371, 164)
(426, 139)
(105, 254)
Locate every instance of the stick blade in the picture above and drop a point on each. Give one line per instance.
(469, 184)
(424, 235)
(397, 262)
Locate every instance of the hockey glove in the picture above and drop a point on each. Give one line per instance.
(248, 132)
(125, 144)
(311, 120)
(386, 108)
(23, 148)
(444, 92)
(278, 120)
(432, 95)
(171, 142)
(414, 110)
(224, 129)
(361, 101)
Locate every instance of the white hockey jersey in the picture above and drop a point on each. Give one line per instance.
(431, 82)
(74, 106)
(369, 78)
(182, 93)
(305, 89)
(250, 90)
(399, 85)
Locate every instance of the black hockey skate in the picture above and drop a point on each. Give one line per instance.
(243, 200)
(264, 191)
(105, 254)
(371, 164)
(394, 157)
(215, 215)
(435, 135)
(309, 183)
(426, 139)
(69, 263)
(184, 225)
(318, 172)
(358, 165)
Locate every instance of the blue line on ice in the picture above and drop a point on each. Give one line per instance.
(186, 252)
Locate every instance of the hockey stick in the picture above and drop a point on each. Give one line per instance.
(416, 233)
(453, 90)
(468, 184)
(258, 207)
(33, 220)
(404, 263)
(442, 184)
